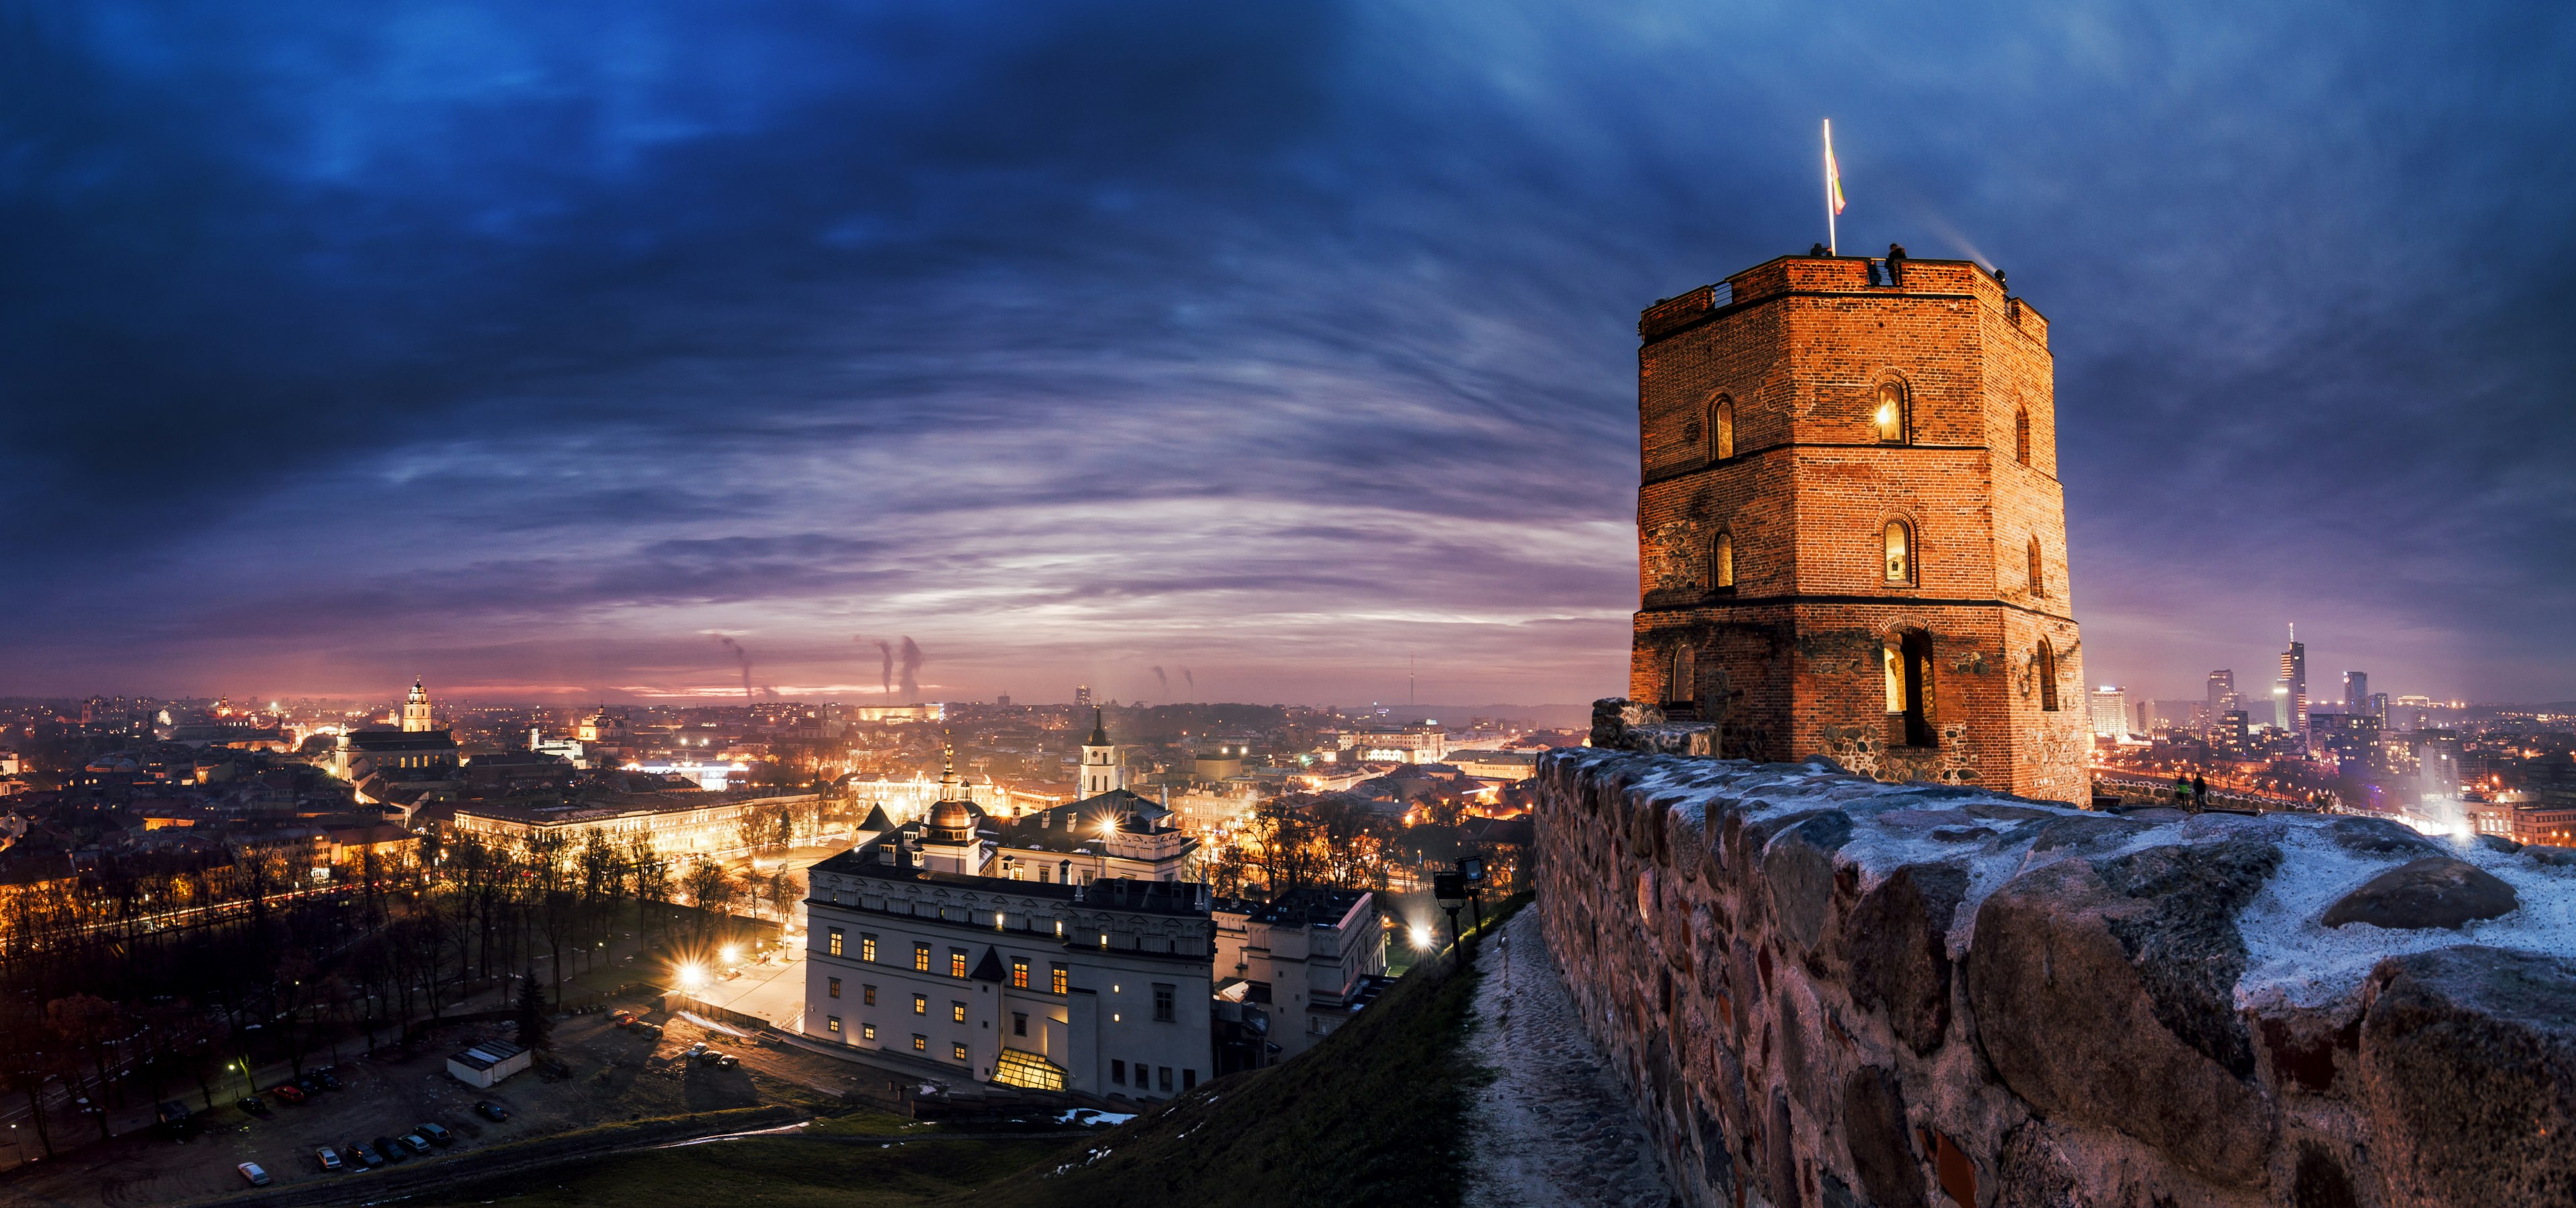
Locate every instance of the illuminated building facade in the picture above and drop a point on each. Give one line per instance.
(2294, 683)
(416, 717)
(1101, 771)
(2110, 707)
(1851, 536)
(1301, 961)
(932, 945)
(680, 824)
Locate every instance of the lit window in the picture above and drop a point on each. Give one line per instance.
(1900, 552)
(868, 995)
(2038, 572)
(921, 1004)
(957, 1011)
(1055, 979)
(1019, 973)
(832, 942)
(832, 1024)
(868, 1031)
(2021, 435)
(835, 989)
(957, 1051)
(1721, 429)
(1888, 418)
(956, 962)
(1721, 561)
(867, 947)
(920, 1043)
(921, 957)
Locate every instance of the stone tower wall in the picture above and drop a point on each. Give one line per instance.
(1788, 657)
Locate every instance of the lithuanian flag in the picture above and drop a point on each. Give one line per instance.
(1833, 171)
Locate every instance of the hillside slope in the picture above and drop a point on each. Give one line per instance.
(1373, 1115)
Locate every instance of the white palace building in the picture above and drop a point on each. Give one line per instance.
(1064, 950)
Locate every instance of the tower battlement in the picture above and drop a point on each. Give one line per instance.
(1851, 536)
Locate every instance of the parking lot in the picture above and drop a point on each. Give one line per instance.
(605, 1074)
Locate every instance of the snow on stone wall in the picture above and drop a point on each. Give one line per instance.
(1830, 991)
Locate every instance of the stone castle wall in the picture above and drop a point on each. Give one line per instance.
(1830, 991)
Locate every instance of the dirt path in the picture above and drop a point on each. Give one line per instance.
(1554, 1127)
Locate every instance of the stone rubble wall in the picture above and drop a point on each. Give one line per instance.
(1824, 990)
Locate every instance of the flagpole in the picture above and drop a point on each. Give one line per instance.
(1833, 246)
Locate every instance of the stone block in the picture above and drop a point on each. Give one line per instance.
(1898, 950)
(2468, 1060)
(2436, 891)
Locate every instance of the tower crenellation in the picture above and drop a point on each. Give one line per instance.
(1852, 540)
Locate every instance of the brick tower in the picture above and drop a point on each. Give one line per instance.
(1851, 538)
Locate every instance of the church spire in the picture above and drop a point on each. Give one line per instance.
(1099, 732)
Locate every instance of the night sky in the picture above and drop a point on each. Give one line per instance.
(535, 348)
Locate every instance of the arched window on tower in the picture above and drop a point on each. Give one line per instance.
(1721, 561)
(2044, 665)
(2038, 570)
(1900, 552)
(1721, 430)
(2021, 435)
(1888, 419)
(1681, 687)
(1908, 659)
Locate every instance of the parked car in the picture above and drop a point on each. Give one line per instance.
(437, 1134)
(697, 1049)
(251, 1171)
(728, 1061)
(711, 1057)
(622, 1018)
(330, 1080)
(256, 1107)
(415, 1142)
(360, 1153)
(308, 1085)
(288, 1092)
(329, 1158)
(391, 1151)
(491, 1111)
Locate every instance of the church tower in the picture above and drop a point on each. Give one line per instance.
(1851, 537)
(1101, 772)
(415, 711)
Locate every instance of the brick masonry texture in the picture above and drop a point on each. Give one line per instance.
(1824, 990)
(1789, 656)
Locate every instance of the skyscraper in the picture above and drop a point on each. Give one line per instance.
(2294, 676)
(2356, 692)
(2110, 712)
(2222, 684)
(1082, 696)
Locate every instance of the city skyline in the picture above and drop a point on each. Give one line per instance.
(549, 373)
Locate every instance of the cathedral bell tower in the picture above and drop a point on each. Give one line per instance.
(1101, 772)
(1851, 537)
(415, 711)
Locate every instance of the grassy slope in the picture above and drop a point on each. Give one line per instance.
(1372, 1115)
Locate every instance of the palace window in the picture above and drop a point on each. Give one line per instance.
(1118, 1071)
(1899, 544)
(2044, 665)
(920, 957)
(1721, 429)
(835, 990)
(921, 1004)
(2021, 435)
(868, 995)
(1019, 973)
(957, 1052)
(867, 947)
(867, 1031)
(1721, 561)
(1889, 417)
(957, 1012)
(1019, 1023)
(1162, 1004)
(920, 1043)
(1055, 979)
(832, 1024)
(956, 962)
(2038, 571)
(1908, 659)
(832, 941)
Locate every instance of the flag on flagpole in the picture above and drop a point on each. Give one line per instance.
(1833, 171)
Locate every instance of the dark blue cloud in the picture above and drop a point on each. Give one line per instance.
(528, 347)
